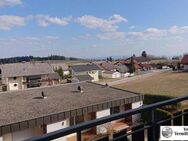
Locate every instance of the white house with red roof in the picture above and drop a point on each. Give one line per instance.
(184, 61)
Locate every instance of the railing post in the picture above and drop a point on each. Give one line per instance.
(153, 125)
(185, 117)
(138, 136)
(177, 121)
(79, 136)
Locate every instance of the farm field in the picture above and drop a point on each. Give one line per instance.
(68, 62)
(167, 83)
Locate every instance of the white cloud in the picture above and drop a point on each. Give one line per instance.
(83, 37)
(117, 19)
(135, 34)
(93, 22)
(178, 30)
(8, 22)
(10, 2)
(111, 36)
(25, 41)
(152, 31)
(45, 20)
(132, 27)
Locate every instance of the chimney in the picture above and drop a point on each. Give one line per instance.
(106, 85)
(43, 95)
(80, 89)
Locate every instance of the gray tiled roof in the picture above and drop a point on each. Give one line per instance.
(58, 65)
(109, 66)
(25, 69)
(18, 106)
(84, 77)
(83, 68)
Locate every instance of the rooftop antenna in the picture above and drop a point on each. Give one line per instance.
(43, 95)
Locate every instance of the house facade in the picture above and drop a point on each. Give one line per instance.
(63, 106)
(144, 62)
(184, 61)
(86, 69)
(63, 66)
(140, 64)
(20, 76)
(108, 70)
(111, 74)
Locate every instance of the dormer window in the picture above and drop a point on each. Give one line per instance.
(14, 78)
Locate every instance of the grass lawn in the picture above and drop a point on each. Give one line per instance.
(167, 83)
(106, 80)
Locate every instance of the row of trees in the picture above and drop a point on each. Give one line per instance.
(31, 58)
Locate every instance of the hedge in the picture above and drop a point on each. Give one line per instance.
(150, 99)
(160, 113)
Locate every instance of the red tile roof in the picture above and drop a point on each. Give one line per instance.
(184, 59)
(148, 66)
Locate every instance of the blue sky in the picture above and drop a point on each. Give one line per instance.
(93, 28)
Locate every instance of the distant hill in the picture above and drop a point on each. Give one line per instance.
(32, 58)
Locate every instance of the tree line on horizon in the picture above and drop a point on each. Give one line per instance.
(32, 58)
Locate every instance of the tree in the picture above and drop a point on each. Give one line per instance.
(144, 54)
(178, 66)
(60, 72)
(132, 65)
(109, 59)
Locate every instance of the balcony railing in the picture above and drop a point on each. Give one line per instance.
(143, 131)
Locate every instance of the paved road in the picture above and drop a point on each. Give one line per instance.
(137, 77)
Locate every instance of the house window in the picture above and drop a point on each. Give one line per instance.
(79, 119)
(14, 78)
(76, 120)
(114, 110)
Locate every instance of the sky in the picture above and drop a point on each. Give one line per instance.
(93, 28)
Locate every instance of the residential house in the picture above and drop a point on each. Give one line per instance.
(124, 65)
(111, 74)
(144, 62)
(63, 66)
(140, 63)
(108, 70)
(19, 76)
(43, 110)
(184, 61)
(146, 67)
(86, 69)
